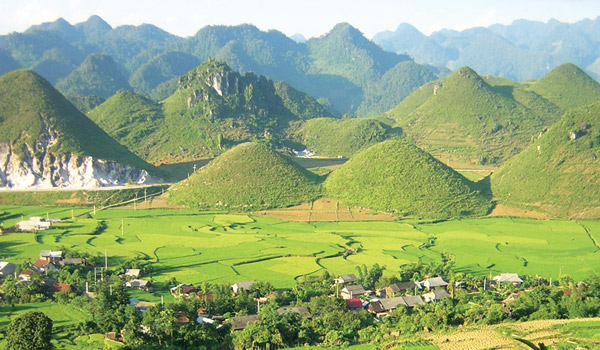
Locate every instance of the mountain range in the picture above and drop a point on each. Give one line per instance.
(342, 68)
(520, 51)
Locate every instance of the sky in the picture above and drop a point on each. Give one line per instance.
(308, 17)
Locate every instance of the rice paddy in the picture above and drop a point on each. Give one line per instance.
(197, 247)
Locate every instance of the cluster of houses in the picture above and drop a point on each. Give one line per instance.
(402, 294)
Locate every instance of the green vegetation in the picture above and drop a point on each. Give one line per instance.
(31, 331)
(328, 137)
(213, 109)
(32, 110)
(396, 176)
(568, 87)
(131, 119)
(250, 176)
(98, 75)
(559, 172)
(463, 116)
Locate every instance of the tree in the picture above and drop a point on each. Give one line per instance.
(31, 331)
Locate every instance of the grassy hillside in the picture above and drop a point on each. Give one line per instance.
(130, 118)
(30, 107)
(567, 86)
(463, 116)
(98, 75)
(328, 137)
(249, 176)
(560, 171)
(396, 176)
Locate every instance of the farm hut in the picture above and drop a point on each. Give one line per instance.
(508, 278)
(353, 291)
(42, 265)
(135, 273)
(238, 286)
(140, 285)
(240, 322)
(34, 223)
(436, 295)
(300, 310)
(412, 301)
(433, 283)
(354, 304)
(345, 279)
(399, 288)
(7, 268)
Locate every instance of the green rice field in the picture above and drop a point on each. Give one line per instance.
(196, 246)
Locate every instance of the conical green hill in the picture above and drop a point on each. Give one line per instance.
(464, 117)
(33, 112)
(249, 176)
(560, 171)
(397, 176)
(567, 86)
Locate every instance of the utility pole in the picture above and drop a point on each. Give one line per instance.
(134, 201)
(145, 199)
(94, 209)
(72, 214)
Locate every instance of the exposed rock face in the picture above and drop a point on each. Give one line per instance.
(36, 167)
(224, 82)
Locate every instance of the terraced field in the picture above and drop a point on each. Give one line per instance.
(218, 247)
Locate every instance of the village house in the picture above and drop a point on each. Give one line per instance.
(34, 223)
(399, 288)
(508, 278)
(72, 262)
(53, 286)
(345, 279)
(238, 286)
(51, 255)
(435, 295)
(7, 268)
(44, 266)
(182, 318)
(26, 275)
(183, 290)
(239, 323)
(355, 304)
(134, 273)
(386, 305)
(433, 283)
(140, 306)
(353, 291)
(412, 301)
(139, 285)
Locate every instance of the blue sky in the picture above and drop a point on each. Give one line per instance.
(308, 17)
